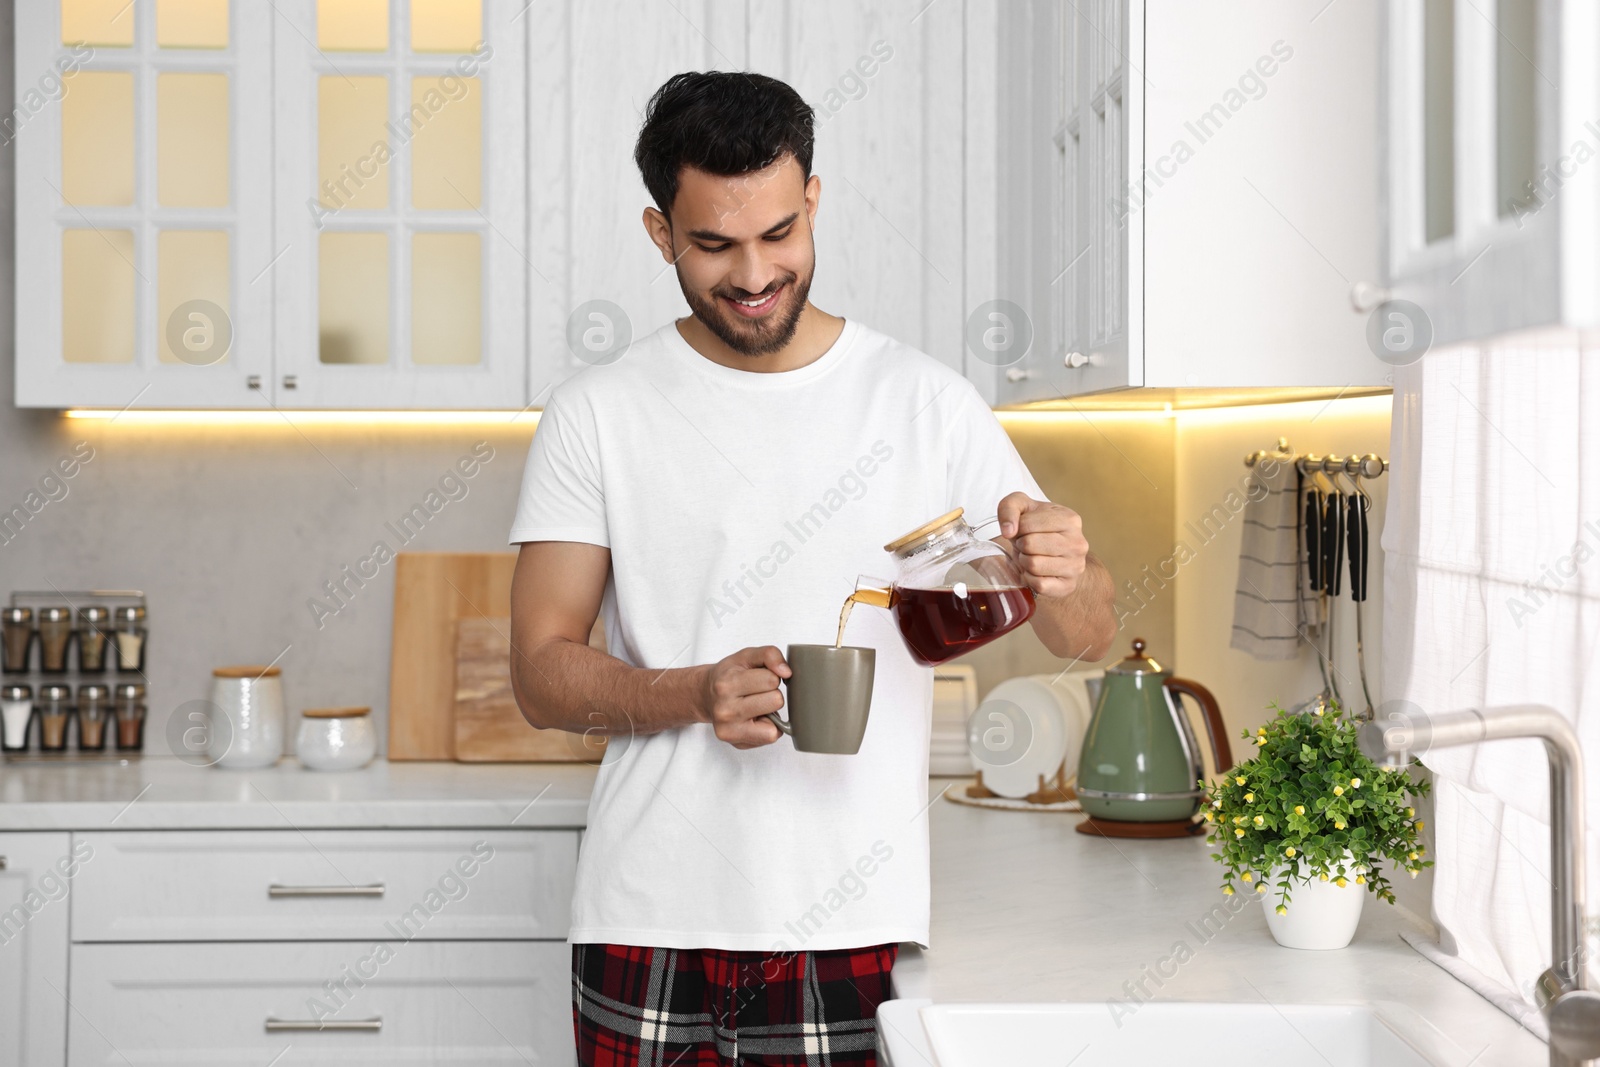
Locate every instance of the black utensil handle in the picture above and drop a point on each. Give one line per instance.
(1330, 543)
(1356, 539)
(1335, 538)
(1311, 528)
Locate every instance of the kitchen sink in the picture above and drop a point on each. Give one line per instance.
(917, 1033)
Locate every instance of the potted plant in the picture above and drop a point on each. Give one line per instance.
(1313, 818)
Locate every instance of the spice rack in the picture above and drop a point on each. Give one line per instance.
(73, 680)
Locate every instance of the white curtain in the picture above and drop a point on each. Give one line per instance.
(1492, 572)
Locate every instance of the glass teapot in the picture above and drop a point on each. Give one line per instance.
(952, 592)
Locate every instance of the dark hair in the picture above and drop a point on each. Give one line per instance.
(720, 122)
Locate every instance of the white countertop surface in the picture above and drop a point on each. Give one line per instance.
(1027, 909)
(162, 793)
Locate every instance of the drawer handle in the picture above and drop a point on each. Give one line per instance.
(278, 1026)
(374, 890)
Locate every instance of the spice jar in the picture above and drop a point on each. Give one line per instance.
(94, 624)
(16, 638)
(16, 712)
(94, 708)
(336, 739)
(55, 634)
(54, 708)
(130, 712)
(130, 635)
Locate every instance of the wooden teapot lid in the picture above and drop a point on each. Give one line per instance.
(923, 531)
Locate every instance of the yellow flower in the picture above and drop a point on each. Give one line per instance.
(1322, 877)
(1262, 888)
(1412, 856)
(1361, 879)
(1209, 817)
(1412, 872)
(1340, 882)
(1260, 820)
(1249, 798)
(1238, 820)
(1282, 910)
(1261, 741)
(1216, 803)
(1317, 712)
(1338, 826)
(1420, 824)
(1338, 790)
(1299, 809)
(1247, 876)
(1355, 783)
(1238, 779)
(1227, 890)
(1238, 833)
(1289, 851)
(1411, 813)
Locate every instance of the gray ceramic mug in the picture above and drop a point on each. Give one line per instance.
(830, 693)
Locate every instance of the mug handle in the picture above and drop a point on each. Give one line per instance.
(782, 724)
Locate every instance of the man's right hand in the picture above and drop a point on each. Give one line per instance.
(740, 690)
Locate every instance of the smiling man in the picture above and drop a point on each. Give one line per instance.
(712, 496)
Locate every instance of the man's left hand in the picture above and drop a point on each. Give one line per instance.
(1047, 541)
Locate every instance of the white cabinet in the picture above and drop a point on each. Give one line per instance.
(330, 1003)
(1492, 192)
(325, 885)
(1187, 199)
(297, 204)
(886, 83)
(37, 871)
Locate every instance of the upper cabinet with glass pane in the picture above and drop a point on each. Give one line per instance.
(141, 226)
(226, 203)
(402, 219)
(1491, 182)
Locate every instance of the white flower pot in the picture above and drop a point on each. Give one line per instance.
(1320, 915)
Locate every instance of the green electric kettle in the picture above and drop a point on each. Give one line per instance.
(1139, 772)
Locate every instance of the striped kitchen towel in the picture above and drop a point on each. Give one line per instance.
(1268, 617)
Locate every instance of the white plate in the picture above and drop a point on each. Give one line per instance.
(1018, 733)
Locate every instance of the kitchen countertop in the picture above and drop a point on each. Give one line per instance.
(1024, 908)
(162, 793)
(1027, 909)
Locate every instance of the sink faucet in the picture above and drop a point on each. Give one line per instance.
(1570, 1007)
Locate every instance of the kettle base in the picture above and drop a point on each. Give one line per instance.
(1148, 830)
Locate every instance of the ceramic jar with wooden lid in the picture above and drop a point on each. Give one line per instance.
(246, 717)
(336, 739)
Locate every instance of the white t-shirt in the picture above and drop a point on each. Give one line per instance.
(739, 507)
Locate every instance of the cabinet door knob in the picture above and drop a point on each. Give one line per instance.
(253, 382)
(290, 381)
(1364, 296)
(1073, 360)
(1017, 374)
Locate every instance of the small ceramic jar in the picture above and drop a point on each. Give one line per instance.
(336, 739)
(247, 717)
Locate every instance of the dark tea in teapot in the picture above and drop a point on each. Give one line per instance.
(941, 624)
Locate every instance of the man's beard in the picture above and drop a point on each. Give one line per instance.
(751, 337)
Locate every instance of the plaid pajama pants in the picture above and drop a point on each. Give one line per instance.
(659, 1007)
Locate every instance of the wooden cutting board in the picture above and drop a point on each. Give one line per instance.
(432, 591)
(488, 725)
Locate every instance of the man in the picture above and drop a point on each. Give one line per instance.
(713, 495)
